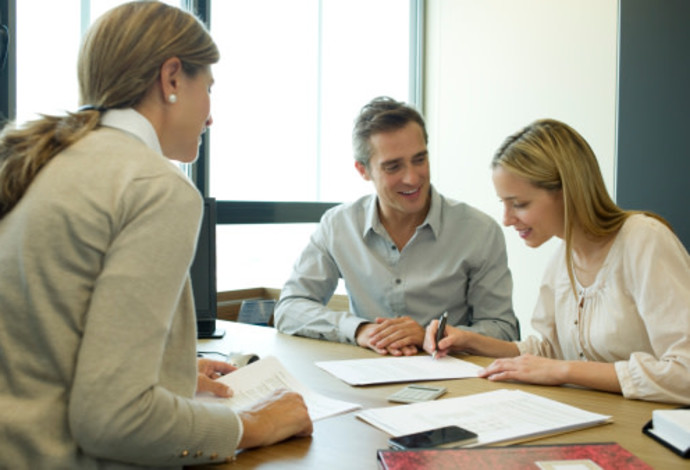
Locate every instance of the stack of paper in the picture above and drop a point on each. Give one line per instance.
(497, 416)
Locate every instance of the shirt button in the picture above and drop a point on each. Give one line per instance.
(198, 454)
(398, 281)
(575, 322)
(393, 247)
(184, 453)
(213, 456)
(582, 354)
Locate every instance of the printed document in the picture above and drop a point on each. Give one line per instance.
(496, 416)
(399, 369)
(258, 379)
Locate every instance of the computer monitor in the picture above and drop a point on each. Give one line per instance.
(203, 274)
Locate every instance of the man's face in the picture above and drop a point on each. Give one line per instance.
(399, 169)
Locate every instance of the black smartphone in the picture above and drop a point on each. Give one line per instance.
(447, 436)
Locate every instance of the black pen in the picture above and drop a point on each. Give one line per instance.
(440, 333)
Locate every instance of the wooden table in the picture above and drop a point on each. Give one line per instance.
(346, 442)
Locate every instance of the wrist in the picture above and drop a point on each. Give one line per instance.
(471, 343)
(359, 333)
(253, 429)
(565, 373)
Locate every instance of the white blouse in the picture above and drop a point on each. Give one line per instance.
(636, 314)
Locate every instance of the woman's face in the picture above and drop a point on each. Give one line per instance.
(193, 116)
(537, 214)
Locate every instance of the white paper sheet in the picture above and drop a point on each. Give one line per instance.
(496, 416)
(399, 369)
(258, 379)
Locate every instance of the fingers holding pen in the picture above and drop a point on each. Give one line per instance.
(437, 340)
(454, 339)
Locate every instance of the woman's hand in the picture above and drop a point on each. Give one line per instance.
(453, 339)
(527, 368)
(459, 340)
(544, 371)
(208, 371)
(281, 415)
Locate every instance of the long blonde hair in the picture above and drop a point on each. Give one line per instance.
(119, 61)
(553, 156)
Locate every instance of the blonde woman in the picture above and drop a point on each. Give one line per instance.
(614, 305)
(97, 233)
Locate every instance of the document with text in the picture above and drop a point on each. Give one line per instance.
(496, 416)
(259, 379)
(399, 369)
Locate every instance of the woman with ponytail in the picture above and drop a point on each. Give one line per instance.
(97, 234)
(613, 311)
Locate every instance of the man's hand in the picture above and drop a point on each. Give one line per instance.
(400, 336)
(209, 371)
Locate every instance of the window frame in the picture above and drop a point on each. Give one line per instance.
(229, 212)
(278, 212)
(8, 79)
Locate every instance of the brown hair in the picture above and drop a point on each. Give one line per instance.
(119, 61)
(382, 114)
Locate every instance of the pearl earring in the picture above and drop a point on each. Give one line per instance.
(172, 98)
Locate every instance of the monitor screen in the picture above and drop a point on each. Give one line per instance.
(203, 273)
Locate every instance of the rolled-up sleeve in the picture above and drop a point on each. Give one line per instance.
(657, 268)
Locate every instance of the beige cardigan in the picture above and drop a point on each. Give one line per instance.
(97, 323)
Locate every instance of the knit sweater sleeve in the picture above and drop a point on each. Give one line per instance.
(131, 399)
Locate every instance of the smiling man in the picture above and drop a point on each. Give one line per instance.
(406, 253)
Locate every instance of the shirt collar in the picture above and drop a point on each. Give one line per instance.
(433, 218)
(134, 123)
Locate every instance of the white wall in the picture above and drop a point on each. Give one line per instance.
(493, 66)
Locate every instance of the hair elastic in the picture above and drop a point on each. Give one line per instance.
(92, 107)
